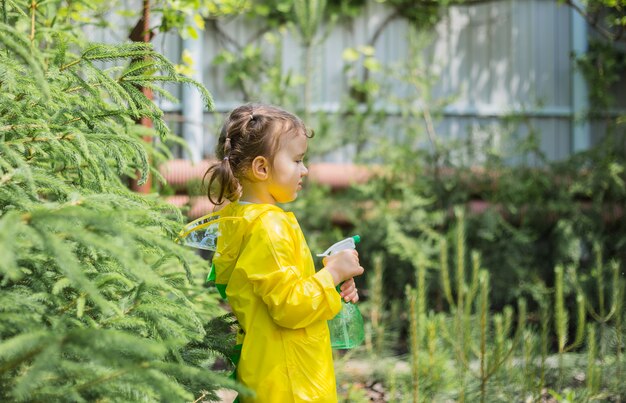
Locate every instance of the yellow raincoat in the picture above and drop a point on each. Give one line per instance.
(282, 305)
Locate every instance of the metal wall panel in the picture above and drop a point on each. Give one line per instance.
(493, 60)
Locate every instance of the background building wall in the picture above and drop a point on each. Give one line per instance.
(491, 61)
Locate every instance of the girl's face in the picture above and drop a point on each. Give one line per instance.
(287, 171)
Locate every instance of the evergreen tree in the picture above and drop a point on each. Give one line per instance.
(97, 303)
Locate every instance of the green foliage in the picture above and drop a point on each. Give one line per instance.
(605, 59)
(537, 215)
(602, 66)
(308, 17)
(377, 308)
(475, 226)
(492, 340)
(97, 301)
(90, 279)
(252, 72)
(606, 16)
(185, 17)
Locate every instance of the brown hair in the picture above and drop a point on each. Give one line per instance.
(249, 131)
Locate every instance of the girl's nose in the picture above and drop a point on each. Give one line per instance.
(304, 171)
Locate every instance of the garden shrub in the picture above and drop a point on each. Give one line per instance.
(97, 302)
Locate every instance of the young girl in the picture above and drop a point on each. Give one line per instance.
(263, 264)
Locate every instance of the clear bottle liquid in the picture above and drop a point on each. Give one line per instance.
(346, 329)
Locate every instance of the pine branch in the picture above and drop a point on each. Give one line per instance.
(25, 140)
(14, 6)
(146, 66)
(162, 92)
(9, 268)
(91, 282)
(33, 9)
(19, 46)
(20, 127)
(19, 349)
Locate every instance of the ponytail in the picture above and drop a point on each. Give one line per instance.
(227, 186)
(222, 182)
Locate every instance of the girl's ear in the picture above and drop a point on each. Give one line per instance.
(260, 168)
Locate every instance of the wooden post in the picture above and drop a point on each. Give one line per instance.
(142, 33)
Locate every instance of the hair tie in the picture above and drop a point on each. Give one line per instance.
(225, 158)
(227, 147)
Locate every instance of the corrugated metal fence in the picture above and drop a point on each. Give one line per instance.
(490, 62)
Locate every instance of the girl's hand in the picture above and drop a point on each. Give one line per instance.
(349, 292)
(343, 265)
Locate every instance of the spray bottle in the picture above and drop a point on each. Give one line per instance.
(346, 329)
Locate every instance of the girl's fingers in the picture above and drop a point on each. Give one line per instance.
(347, 286)
(349, 292)
(352, 297)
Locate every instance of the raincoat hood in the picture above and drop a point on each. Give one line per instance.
(235, 222)
(223, 232)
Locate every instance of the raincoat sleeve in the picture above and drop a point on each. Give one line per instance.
(274, 262)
